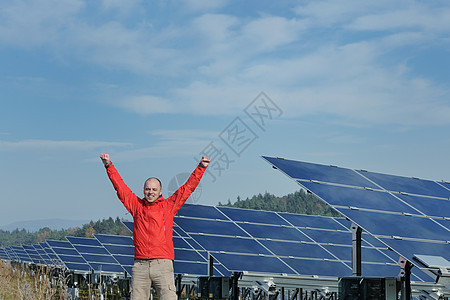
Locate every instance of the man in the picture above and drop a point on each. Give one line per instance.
(152, 232)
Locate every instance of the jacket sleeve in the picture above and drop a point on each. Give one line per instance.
(184, 191)
(124, 193)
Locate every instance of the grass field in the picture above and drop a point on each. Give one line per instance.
(22, 282)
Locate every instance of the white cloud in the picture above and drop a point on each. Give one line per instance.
(120, 6)
(269, 33)
(171, 143)
(36, 23)
(189, 134)
(112, 44)
(215, 28)
(220, 62)
(326, 13)
(57, 145)
(194, 6)
(417, 17)
(148, 104)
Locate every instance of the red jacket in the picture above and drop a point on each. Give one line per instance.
(153, 222)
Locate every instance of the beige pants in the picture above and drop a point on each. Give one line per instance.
(156, 272)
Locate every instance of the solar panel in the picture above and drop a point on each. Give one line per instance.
(190, 257)
(21, 254)
(274, 232)
(4, 254)
(397, 225)
(120, 247)
(129, 225)
(432, 207)
(319, 222)
(67, 254)
(11, 253)
(321, 173)
(96, 255)
(409, 215)
(33, 254)
(43, 254)
(253, 263)
(54, 259)
(359, 198)
(407, 185)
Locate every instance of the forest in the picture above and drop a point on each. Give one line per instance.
(300, 202)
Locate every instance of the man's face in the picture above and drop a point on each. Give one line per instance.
(152, 190)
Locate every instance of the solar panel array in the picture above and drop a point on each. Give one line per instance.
(261, 241)
(238, 240)
(282, 243)
(409, 215)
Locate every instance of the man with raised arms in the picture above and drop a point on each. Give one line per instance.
(152, 232)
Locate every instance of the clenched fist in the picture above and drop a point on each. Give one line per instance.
(205, 161)
(105, 159)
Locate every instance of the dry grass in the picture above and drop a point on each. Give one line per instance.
(21, 282)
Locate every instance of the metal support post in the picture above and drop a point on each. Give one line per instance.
(178, 286)
(234, 286)
(211, 266)
(405, 278)
(356, 250)
(296, 293)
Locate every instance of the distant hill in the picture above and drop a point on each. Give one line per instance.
(35, 225)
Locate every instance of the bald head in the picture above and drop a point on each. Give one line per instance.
(152, 189)
(154, 178)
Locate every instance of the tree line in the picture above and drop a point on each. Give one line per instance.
(24, 237)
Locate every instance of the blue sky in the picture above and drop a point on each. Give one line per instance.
(358, 84)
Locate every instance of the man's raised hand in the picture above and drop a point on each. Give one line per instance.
(105, 159)
(205, 161)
